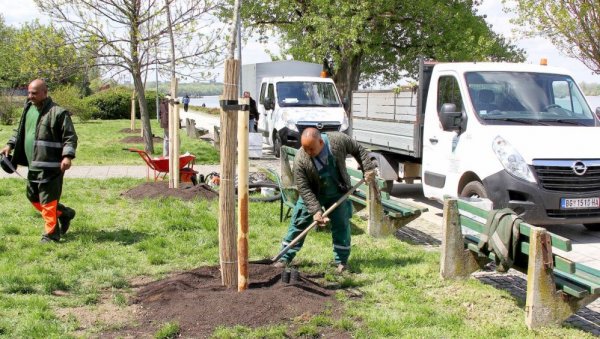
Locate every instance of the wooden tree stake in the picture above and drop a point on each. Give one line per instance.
(242, 236)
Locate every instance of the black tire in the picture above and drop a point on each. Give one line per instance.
(275, 197)
(592, 227)
(474, 189)
(276, 145)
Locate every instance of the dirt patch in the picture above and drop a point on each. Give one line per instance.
(197, 301)
(160, 189)
(129, 130)
(137, 140)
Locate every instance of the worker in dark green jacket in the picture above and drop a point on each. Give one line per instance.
(45, 141)
(321, 177)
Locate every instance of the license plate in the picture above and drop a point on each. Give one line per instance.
(579, 203)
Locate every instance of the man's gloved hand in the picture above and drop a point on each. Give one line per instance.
(369, 176)
(320, 219)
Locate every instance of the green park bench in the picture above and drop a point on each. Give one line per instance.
(556, 286)
(385, 216)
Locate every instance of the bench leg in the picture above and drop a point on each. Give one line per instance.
(456, 261)
(377, 226)
(545, 305)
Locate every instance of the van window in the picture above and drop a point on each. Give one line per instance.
(261, 98)
(449, 93)
(271, 92)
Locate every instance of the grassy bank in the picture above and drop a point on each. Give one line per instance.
(100, 143)
(68, 289)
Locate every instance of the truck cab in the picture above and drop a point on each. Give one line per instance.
(285, 102)
(521, 135)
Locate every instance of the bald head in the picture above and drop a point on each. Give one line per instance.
(37, 92)
(311, 141)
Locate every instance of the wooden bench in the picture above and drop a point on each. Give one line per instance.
(556, 286)
(385, 214)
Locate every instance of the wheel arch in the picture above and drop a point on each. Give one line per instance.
(465, 179)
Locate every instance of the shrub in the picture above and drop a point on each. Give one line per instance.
(115, 103)
(68, 97)
(10, 109)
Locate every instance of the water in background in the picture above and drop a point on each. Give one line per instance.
(209, 101)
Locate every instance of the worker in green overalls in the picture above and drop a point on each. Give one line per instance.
(321, 177)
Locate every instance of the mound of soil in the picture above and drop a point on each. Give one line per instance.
(160, 189)
(198, 302)
(137, 139)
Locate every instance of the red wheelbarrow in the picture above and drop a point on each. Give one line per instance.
(160, 166)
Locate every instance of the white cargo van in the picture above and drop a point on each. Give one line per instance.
(293, 94)
(521, 135)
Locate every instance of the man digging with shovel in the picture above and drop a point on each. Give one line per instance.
(321, 177)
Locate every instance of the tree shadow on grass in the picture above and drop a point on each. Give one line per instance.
(123, 237)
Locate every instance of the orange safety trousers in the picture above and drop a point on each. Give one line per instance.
(44, 195)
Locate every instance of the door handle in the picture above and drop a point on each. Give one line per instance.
(433, 140)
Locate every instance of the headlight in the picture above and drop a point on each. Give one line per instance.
(512, 161)
(344, 123)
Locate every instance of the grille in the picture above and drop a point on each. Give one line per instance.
(559, 176)
(573, 213)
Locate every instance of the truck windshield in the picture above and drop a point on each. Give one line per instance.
(306, 93)
(529, 98)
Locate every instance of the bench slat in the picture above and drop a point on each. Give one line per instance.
(471, 224)
(560, 263)
(582, 282)
(570, 288)
(588, 271)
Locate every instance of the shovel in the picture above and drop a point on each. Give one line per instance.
(313, 224)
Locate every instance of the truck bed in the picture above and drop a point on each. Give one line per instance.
(387, 121)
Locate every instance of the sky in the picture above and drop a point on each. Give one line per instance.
(253, 52)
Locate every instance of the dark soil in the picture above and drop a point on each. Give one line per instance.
(137, 139)
(160, 189)
(129, 130)
(199, 304)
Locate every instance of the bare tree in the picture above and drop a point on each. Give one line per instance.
(125, 32)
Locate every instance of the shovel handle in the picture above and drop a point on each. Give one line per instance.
(314, 223)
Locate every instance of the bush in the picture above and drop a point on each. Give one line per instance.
(10, 110)
(68, 97)
(115, 103)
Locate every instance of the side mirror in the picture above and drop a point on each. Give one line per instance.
(269, 104)
(345, 104)
(598, 112)
(451, 119)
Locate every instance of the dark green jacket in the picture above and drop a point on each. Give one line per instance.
(307, 177)
(55, 138)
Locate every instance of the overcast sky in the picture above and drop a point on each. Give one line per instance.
(16, 12)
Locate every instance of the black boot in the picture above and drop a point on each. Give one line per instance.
(65, 219)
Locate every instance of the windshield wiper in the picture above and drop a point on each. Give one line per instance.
(566, 121)
(522, 121)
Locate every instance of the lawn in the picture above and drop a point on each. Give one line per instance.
(114, 242)
(100, 143)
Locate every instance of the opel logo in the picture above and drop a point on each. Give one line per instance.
(320, 126)
(579, 168)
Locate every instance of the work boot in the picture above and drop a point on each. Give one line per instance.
(280, 264)
(341, 268)
(65, 218)
(52, 237)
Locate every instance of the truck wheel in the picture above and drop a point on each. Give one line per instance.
(389, 185)
(276, 145)
(592, 227)
(474, 189)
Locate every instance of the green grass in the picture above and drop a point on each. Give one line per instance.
(100, 143)
(114, 241)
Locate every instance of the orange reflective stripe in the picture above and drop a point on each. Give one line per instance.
(49, 215)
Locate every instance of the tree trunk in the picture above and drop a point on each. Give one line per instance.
(346, 79)
(144, 115)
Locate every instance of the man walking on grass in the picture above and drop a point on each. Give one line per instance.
(321, 177)
(45, 141)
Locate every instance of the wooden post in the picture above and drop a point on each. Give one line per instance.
(456, 261)
(175, 139)
(242, 236)
(132, 126)
(227, 229)
(172, 154)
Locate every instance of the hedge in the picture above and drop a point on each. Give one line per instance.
(115, 103)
